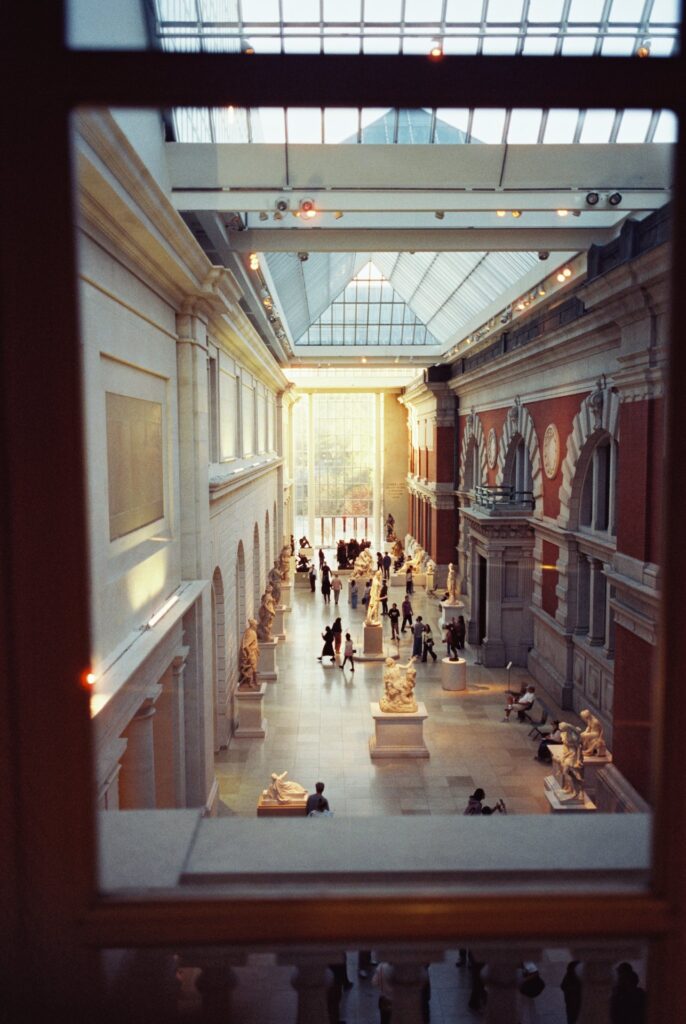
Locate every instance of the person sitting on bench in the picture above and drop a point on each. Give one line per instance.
(522, 705)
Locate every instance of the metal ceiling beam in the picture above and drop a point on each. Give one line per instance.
(418, 239)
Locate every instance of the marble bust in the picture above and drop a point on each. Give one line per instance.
(398, 695)
(266, 615)
(281, 791)
(372, 617)
(249, 654)
(592, 739)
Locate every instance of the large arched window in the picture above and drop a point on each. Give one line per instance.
(597, 505)
(518, 474)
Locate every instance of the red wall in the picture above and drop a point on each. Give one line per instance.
(560, 411)
(443, 536)
(443, 455)
(632, 712)
(492, 418)
(639, 479)
(549, 578)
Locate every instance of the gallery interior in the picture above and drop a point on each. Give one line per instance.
(340, 306)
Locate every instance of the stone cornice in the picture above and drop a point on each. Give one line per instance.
(225, 480)
(520, 530)
(640, 383)
(440, 495)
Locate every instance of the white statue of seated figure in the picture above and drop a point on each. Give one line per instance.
(592, 739)
(398, 693)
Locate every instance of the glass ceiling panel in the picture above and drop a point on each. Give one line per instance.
(393, 26)
(367, 312)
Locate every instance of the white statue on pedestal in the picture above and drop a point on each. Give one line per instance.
(266, 615)
(363, 567)
(372, 617)
(592, 739)
(274, 579)
(283, 792)
(248, 659)
(430, 570)
(416, 561)
(398, 689)
(284, 561)
(451, 585)
(571, 761)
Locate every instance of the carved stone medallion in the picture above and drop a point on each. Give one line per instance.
(551, 451)
(492, 448)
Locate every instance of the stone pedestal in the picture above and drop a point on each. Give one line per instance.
(266, 666)
(302, 581)
(592, 765)
(373, 640)
(398, 735)
(561, 802)
(278, 631)
(272, 809)
(449, 610)
(398, 579)
(454, 674)
(430, 581)
(251, 724)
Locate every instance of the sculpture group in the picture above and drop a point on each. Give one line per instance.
(398, 695)
(577, 744)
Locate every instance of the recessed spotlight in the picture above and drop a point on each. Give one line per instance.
(567, 271)
(516, 213)
(91, 678)
(501, 213)
(263, 215)
(439, 214)
(614, 199)
(281, 205)
(643, 49)
(563, 213)
(592, 198)
(541, 290)
(436, 51)
(543, 254)
(560, 277)
(364, 359)
(307, 208)
(254, 261)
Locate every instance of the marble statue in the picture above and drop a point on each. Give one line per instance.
(364, 565)
(247, 666)
(596, 401)
(398, 693)
(390, 527)
(451, 585)
(284, 792)
(430, 570)
(592, 739)
(571, 760)
(274, 580)
(284, 561)
(266, 615)
(372, 617)
(416, 561)
(397, 549)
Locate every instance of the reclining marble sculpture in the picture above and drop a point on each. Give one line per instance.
(249, 655)
(363, 567)
(398, 695)
(281, 791)
(266, 616)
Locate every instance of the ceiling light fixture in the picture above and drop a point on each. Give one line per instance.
(500, 213)
(281, 205)
(303, 256)
(254, 261)
(264, 215)
(439, 214)
(567, 271)
(338, 214)
(643, 49)
(615, 199)
(516, 213)
(543, 254)
(436, 51)
(307, 208)
(592, 198)
(278, 215)
(563, 213)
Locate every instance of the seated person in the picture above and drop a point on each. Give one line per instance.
(317, 801)
(522, 705)
(554, 739)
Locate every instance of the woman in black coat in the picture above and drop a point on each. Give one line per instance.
(327, 649)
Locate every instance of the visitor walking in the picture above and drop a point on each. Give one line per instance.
(327, 649)
(312, 578)
(383, 597)
(348, 652)
(394, 616)
(428, 643)
(336, 586)
(321, 558)
(337, 630)
(353, 594)
(418, 632)
(407, 613)
(460, 632)
(326, 589)
(409, 584)
(386, 566)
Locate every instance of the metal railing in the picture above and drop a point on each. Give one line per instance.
(503, 498)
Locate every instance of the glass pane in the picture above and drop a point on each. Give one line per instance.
(499, 45)
(560, 126)
(585, 10)
(545, 10)
(579, 46)
(340, 125)
(382, 10)
(422, 10)
(261, 11)
(464, 11)
(299, 10)
(487, 125)
(304, 124)
(597, 126)
(524, 126)
(634, 126)
(626, 10)
(667, 127)
(342, 10)
(504, 11)
(268, 124)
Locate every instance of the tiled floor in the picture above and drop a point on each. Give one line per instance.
(319, 724)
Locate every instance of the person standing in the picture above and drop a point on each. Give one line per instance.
(460, 632)
(326, 589)
(337, 630)
(407, 613)
(321, 558)
(383, 597)
(409, 584)
(313, 578)
(353, 593)
(348, 652)
(336, 586)
(394, 616)
(571, 990)
(327, 649)
(386, 565)
(418, 632)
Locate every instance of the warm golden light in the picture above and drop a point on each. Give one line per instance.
(254, 261)
(436, 51)
(567, 271)
(500, 213)
(309, 214)
(516, 213)
(563, 213)
(90, 678)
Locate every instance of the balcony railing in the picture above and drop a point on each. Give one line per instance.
(503, 499)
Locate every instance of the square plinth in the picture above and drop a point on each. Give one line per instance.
(398, 734)
(563, 803)
(373, 638)
(251, 724)
(272, 809)
(266, 665)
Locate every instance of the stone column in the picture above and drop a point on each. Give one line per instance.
(597, 978)
(313, 981)
(494, 646)
(215, 983)
(169, 736)
(567, 586)
(408, 979)
(502, 979)
(137, 777)
(583, 594)
(596, 625)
